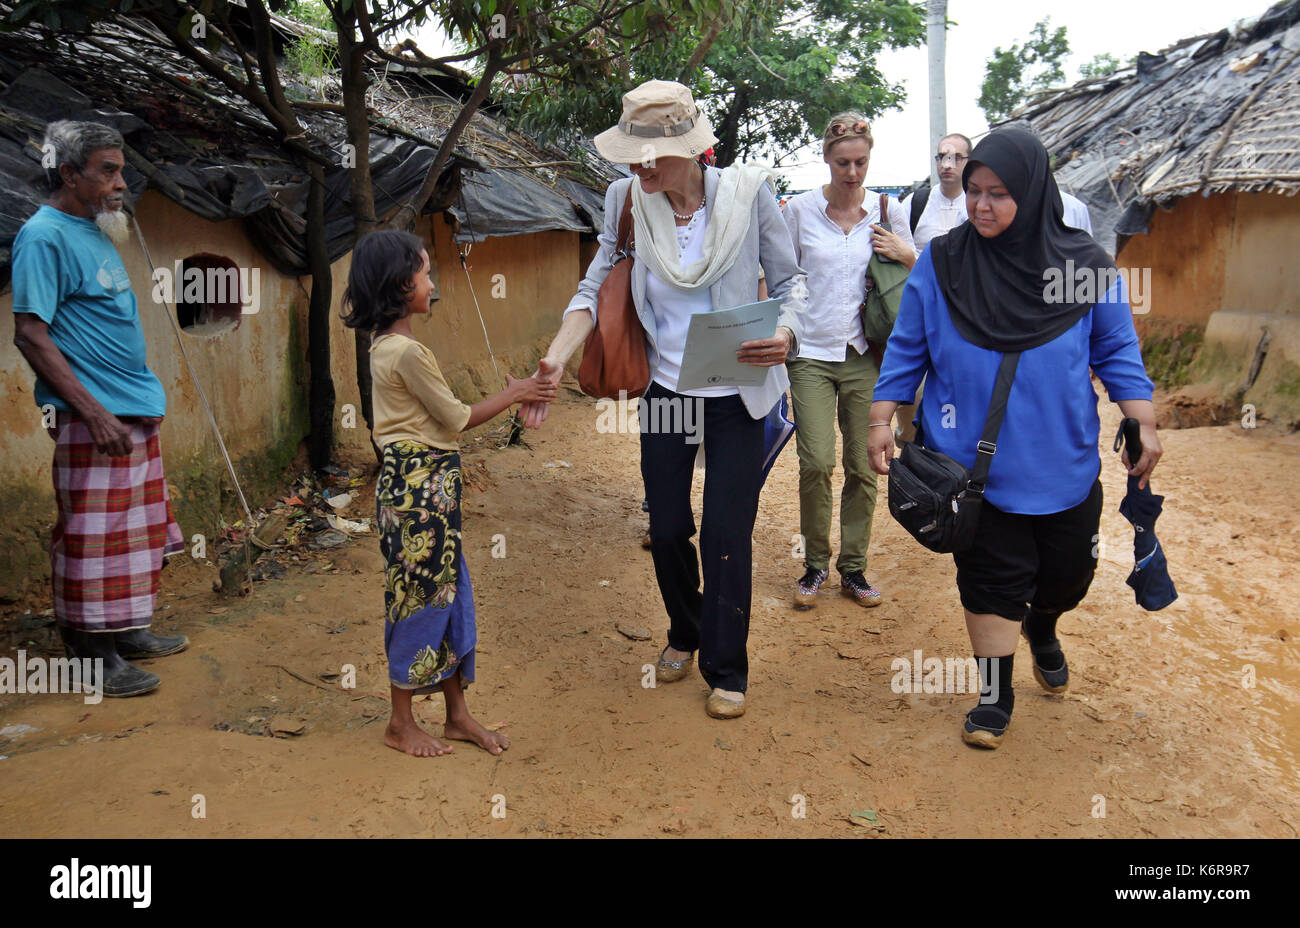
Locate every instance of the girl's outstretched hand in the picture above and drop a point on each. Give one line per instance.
(533, 413)
(531, 389)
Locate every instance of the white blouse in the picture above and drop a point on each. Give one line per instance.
(673, 309)
(836, 265)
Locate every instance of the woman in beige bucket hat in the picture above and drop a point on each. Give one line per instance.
(701, 237)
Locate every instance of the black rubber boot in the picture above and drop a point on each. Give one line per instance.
(120, 678)
(142, 642)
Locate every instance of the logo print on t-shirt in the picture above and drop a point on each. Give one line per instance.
(112, 276)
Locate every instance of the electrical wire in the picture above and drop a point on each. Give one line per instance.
(176, 329)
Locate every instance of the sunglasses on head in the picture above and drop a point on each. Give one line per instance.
(839, 129)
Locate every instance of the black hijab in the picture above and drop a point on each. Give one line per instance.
(995, 287)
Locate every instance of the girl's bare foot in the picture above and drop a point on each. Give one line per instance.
(467, 728)
(411, 739)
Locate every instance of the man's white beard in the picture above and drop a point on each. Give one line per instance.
(115, 224)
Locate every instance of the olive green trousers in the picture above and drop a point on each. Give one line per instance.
(824, 391)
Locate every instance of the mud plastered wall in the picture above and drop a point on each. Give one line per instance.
(1223, 270)
(255, 375)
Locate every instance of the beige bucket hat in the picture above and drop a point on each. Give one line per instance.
(660, 120)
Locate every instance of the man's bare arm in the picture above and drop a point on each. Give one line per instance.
(32, 338)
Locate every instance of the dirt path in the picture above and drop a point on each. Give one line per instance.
(1157, 722)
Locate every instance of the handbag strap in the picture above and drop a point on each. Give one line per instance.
(622, 249)
(884, 211)
(988, 445)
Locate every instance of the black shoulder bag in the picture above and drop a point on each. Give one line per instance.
(935, 498)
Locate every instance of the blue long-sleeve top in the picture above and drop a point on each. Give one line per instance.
(1047, 457)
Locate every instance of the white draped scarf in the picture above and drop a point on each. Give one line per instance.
(728, 222)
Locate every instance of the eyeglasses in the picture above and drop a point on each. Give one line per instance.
(840, 129)
(955, 159)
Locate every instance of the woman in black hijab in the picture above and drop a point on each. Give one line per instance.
(1017, 279)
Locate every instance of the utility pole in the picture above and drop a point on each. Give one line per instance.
(935, 40)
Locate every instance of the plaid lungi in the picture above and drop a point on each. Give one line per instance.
(115, 527)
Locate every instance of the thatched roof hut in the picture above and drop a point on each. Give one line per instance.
(213, 187)
(1210, 114)
(1189, 162)
(198, 143)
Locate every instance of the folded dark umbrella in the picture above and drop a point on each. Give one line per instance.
(777, 429)
(1150, 578)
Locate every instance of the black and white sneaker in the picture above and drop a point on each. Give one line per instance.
(805, 591)
(856, 586)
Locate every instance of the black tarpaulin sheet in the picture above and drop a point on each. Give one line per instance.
(270, 196)
(505, 202)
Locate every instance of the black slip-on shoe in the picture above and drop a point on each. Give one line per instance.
(143, 643)
(130, 680)
(985, 729)
(1054, 681)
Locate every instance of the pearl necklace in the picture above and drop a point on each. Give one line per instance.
(703, 199)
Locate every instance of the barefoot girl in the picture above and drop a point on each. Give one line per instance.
(429, 627)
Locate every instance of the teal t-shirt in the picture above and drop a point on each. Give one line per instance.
(67, 272)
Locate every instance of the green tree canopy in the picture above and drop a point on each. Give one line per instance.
(768, 73)
(1012, 74)
(1100, 66)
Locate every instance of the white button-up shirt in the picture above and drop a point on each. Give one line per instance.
(939, 216)
(836, 265)
(1076, 213)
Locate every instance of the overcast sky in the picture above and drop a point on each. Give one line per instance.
(1121, 27)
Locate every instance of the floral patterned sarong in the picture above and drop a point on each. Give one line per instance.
(429, 623)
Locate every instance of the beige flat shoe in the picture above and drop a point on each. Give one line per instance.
(667, 671)
(724, 707)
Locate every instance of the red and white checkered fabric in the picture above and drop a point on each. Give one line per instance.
(115, 527)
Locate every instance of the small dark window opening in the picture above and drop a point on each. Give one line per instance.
(209, 304)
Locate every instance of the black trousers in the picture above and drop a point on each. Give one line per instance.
(716, 621)
(1020, 562)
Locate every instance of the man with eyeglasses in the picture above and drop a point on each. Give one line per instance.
(935, 215)
(935, 212)
(932, 213)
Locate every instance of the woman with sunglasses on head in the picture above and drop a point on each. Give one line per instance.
(836, 229)
(978, 293)
(701, 237)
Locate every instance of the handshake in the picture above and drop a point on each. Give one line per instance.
(536, 392)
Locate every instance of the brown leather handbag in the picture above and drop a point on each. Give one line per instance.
(614, 360)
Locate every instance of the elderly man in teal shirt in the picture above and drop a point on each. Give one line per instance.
(77, 324)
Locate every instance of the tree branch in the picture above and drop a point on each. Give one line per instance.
(572, 37)
(702, 50)
(291, 134)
